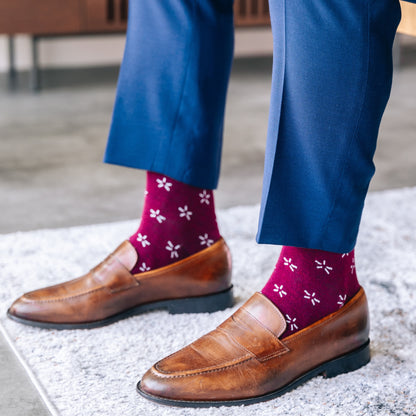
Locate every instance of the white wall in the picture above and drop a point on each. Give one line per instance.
(105, 50)
(65, 52)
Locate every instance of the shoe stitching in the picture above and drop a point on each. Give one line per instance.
(162, 375)
(260, 357)
(203, 369)
(249, 353)
(29, 294)
(273, 354)
(285, 350)
(230, 336)
(209, 368)
(177, 352)
(226, 367)
(64, 298)
(126, 285)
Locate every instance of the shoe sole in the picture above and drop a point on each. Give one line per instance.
(344, 364)
(198, 304)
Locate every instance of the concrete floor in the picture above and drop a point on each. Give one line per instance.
(52, 145)
(51, 175)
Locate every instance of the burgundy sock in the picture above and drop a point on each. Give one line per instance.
(307, 285)
(177, 220)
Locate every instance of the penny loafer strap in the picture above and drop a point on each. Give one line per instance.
(112, 274)
(251, 333)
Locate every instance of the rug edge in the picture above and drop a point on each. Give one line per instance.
(33, 379)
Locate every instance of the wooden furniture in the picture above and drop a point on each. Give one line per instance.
(251, 13)
(56, 17)
(52, 18)
(46, 17)
(408, 23)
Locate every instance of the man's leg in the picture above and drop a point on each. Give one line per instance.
(168, 119)
(331, 81)
(319, 158)
(169, 109)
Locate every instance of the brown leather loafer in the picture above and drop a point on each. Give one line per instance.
(243, 361)
(109, 292)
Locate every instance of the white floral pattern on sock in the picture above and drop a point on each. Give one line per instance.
(324, 266)
(173, 248)
(205, 240)
(279, 290)
(143, 239)
(288, 262)
(312, 297)
(291, 321)
(155, 213)
(353, 266)
(342, 299)
(204, 195)
(144, 267)
(163, 183)
(184, 212)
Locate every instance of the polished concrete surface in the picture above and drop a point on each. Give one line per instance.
(18, 396)
(51, 175)
(52, 143)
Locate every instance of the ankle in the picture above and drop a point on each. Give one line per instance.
(308, 284)
(178, 220)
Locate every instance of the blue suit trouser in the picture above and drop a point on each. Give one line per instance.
(332, 72)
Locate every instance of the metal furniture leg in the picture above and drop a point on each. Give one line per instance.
(35, 75)
(12, 64)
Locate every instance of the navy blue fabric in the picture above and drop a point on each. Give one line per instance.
(169, 109)
(331, 81)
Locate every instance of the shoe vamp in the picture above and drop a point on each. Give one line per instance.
(214, 350)
(71, 288)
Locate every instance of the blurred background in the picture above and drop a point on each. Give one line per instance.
(58, 74)
(59, 62)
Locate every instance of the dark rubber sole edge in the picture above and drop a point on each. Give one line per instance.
(198, 304)
(344, 364)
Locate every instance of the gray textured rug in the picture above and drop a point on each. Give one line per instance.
(93, 372)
